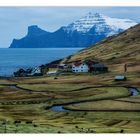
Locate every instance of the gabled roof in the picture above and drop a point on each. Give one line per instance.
(52, 66)
(90, 62)
(77, 64)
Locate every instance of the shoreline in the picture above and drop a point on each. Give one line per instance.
(8, 72)
(12, 76)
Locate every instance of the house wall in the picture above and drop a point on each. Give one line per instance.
(52, 73)
(80, 68)
(36, 71)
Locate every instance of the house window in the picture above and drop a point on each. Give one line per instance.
(81, 70)
(81, 67)
(73, 70)
(77, 70)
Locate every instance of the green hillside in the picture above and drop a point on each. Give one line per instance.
(118, 49)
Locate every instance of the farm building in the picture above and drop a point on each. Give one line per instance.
(90, 63)
(80, 67)
(120, 78)
(52, 68)
(89, 66)
(28, 72)
(99, 68)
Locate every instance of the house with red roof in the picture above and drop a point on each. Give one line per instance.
(88, 66)
(80, 67)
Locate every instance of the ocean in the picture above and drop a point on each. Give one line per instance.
(13, 59)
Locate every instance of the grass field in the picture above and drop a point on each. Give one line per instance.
(106, 105)
(28, 99)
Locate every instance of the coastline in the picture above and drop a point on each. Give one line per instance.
(14, 59)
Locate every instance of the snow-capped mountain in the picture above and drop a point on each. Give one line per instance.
(85, 23)
(84, 32)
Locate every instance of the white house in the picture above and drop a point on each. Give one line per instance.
(80, 67)
(36, 70)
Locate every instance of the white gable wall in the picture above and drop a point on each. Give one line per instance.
(36, 70)
(81, 68)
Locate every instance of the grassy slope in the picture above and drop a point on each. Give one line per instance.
(115, 51)
(125, 45)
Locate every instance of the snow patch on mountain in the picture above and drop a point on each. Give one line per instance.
(87, 22)
(119, 23)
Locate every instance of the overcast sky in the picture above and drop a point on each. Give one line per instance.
(14, 21)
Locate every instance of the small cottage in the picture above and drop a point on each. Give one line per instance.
(52, 68)
(120, 78)
(28, 72)
(80, 67)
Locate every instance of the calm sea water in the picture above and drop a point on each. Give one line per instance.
(13, 59)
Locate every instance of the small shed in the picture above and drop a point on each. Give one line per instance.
(52, 73)
(120, 78)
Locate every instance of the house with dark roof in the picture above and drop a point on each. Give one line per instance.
(99, 67)
(51, 66)
(89, 66)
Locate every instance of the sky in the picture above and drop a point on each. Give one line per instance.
(14, 21)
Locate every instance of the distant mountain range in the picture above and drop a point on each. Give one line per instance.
(84, 32)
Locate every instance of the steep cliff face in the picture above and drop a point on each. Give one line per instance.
(35, 31)
(84, 32)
